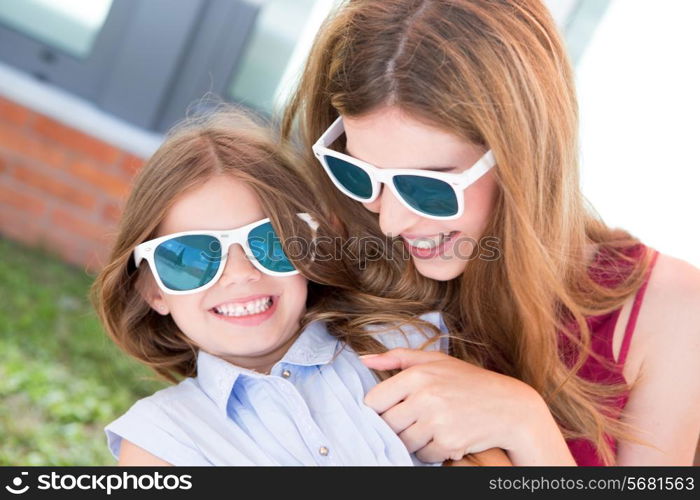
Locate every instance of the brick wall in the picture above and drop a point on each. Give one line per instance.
(60, 189)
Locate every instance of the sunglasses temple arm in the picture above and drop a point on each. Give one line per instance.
(333, 132)
(139, 255)
(477, 171)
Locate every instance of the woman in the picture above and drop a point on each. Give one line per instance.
(577, 343)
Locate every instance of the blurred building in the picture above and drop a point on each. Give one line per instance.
(87, 87)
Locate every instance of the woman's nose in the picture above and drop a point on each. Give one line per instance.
(394, 217)
(239, 269)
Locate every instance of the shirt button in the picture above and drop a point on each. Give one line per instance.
(286, 374)
(323, 451)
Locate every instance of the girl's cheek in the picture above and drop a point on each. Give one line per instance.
(187, 311)
(298, 290)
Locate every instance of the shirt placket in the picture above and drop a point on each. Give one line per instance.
(314, 439)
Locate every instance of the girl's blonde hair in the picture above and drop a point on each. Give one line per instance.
(494, 72)
(234, 144)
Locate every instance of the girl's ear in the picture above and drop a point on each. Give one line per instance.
(151, 293)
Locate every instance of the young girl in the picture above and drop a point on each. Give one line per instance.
(201, 286)
(456, 122)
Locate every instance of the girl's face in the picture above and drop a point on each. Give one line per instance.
(254, 341)
(389, 138)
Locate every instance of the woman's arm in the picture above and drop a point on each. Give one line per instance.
(130, 454)
(495, 457)
(664, 367)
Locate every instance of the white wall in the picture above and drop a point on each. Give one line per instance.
(638, 84)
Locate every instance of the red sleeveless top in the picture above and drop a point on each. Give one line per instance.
(608, 272)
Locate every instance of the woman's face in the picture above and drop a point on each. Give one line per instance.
(389, 138)
(247, 317)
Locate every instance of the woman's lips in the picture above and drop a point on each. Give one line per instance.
(430, 253)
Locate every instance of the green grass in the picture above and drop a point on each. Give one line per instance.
(61, 379)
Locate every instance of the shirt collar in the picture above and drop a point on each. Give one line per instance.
(217, 377)
(314, 346)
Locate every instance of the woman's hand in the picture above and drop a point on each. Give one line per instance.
(444, 408)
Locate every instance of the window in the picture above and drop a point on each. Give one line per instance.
(278, 47)
(123, 62)
(148, 61)
(70, 25)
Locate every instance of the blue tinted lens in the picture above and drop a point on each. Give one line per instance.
(267, 249)
(352, 178)
(187, 262)
(427, 195)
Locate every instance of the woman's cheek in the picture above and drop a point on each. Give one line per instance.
(479, 202)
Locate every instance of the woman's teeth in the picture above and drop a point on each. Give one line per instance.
(425, 243)
(245, 308)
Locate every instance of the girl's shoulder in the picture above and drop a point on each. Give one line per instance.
(167, 400)
(159, 424)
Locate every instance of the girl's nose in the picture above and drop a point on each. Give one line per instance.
(239, 269)
(394, 217)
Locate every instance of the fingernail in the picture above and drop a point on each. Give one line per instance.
(367, 356)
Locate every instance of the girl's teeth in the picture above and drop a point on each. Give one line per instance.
(252, 307)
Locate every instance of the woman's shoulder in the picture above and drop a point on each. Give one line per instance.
(672, 301)
(676, 276)
(667, 334)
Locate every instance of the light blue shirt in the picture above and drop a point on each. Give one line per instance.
(308, 411)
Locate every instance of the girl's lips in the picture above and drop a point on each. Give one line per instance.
(431, 253)
(250, 319)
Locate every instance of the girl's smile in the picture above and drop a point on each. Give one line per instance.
(247, 311)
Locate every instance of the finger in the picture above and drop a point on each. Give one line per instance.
(431, 453)
(401, 358)
(391, 391)
(400, 417)
(416, 437)
(382, 361)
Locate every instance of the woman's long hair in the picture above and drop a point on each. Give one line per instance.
(231, 143)
(494, 72)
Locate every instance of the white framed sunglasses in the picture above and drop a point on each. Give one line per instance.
(436, 195)
(192, 261)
